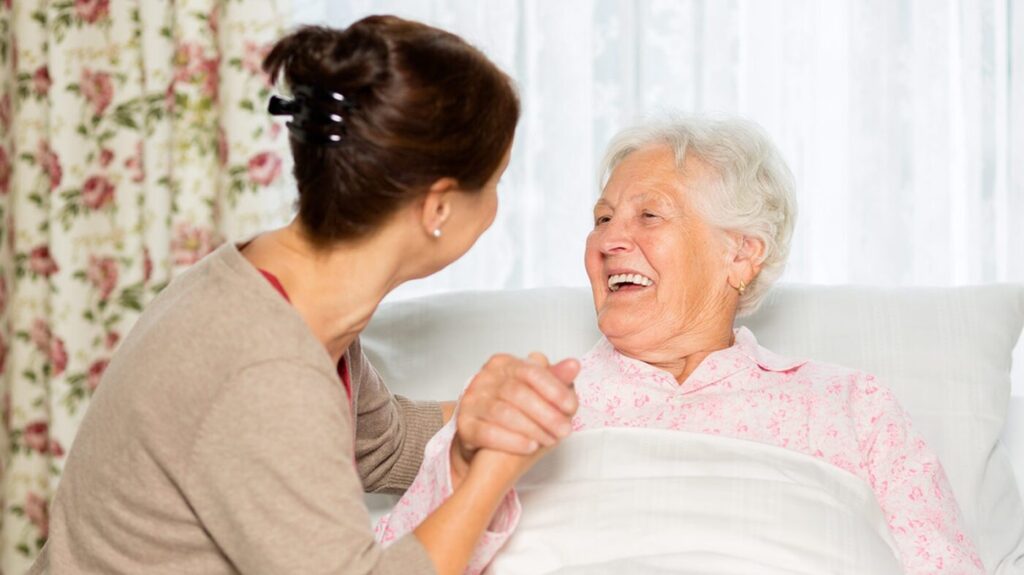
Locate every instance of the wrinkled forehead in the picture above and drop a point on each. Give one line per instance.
(651, 174)
(642, 197)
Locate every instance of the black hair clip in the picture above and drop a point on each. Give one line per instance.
(314, 94)
(279, 106)
(316, 114)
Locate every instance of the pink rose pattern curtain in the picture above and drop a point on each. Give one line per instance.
(133, 140)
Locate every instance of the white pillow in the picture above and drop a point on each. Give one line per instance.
(944, 351)
(1013, 438)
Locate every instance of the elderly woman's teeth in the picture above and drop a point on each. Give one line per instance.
(618, 280)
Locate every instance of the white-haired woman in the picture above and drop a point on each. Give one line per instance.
(692, 228)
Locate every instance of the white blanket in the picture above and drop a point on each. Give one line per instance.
(622, 501)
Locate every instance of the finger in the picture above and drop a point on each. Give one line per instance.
(538, 358)
(484, 386)
(500, 439)
(478, 411)
(512, 418)
(551, 388)
(566, 370)
(498, 361)
(536, 406)
(474, 401)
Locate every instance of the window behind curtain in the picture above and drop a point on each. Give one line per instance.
(902, 120)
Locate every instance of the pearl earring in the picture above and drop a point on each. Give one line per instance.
(437, 232)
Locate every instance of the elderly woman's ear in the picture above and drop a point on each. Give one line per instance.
(747, 257)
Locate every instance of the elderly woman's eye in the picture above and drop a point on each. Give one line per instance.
(649, 215)
(601, 220)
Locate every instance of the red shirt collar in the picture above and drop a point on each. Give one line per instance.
(276, 283)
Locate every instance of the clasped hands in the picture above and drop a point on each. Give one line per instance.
(512, 413)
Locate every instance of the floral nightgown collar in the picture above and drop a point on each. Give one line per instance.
(744, 354)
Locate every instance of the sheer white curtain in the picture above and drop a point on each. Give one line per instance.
(903, 121)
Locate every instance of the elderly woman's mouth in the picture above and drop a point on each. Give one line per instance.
(628, 282)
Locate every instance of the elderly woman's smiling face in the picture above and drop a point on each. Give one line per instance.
(661, 276)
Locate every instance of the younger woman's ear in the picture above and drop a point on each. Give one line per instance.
(437, 204)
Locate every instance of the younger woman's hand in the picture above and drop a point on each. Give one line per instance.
(514, 406)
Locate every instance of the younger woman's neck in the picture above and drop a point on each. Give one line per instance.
(336, 289)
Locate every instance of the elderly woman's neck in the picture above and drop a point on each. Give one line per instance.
(682, 354)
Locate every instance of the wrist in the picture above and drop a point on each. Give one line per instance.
(458, 462)
(500, 470)
(487, 482)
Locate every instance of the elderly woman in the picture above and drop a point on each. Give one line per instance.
(691, 230)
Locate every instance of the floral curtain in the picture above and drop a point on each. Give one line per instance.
(133, 140)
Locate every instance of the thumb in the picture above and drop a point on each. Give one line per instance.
(566, 370)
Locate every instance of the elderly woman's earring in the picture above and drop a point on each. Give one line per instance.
(437, 232)
(743, 287)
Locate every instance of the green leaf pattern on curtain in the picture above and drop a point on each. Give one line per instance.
(133, 140)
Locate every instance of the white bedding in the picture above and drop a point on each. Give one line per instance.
(652, 501)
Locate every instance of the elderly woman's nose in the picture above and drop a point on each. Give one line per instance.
(615, 236)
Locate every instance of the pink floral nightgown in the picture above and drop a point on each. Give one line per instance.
(839, 415)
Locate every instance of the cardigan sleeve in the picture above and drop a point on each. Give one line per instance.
(391, 431)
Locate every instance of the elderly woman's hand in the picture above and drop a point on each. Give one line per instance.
(515, 406)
